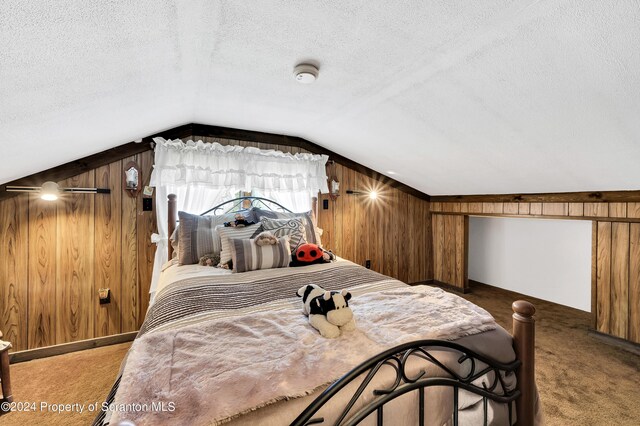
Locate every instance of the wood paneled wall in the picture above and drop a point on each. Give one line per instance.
(589, 211)
(615, 258)
(450, 245)
(617, 279)
(55, 255)
(393, 232)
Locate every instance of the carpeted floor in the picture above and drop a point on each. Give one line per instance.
(581, 380)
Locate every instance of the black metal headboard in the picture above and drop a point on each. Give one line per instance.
(245, 203)
(237, 204)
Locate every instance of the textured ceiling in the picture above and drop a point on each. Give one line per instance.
(490, 96)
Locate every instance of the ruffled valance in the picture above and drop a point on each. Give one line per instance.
(242, 168)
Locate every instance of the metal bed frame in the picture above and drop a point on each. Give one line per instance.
(524, 395)
(245, 203)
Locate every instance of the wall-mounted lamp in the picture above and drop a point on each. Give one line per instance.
(334, 184)
(372, 194)
(50, 191)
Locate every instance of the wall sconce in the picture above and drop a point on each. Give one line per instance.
(334, 184)
(372, 194)
(132, 178)
(51, 191)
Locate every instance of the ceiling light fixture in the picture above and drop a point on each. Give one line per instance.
(50, 191)
(305, 73)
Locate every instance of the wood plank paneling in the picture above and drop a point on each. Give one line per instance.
(633, 210)
(619, 318)
(634, 282)
(108, 246)
(438, 246)
(74, 263)
(450, 237)
(346, 246)
(492, 207)
(555, 209)
(594, 274)
(535, 208)
(576, 209)
(129, 260)
(523, 208)
(361, 224)
(461, 247)
(604, 277)
(68, 249)
(402, 236)
(14, 270)
(474, 207)
(449, 253)
(146, 249)
(596, 209)
(617, 209)
(42, 272)
(615, 266)
(510, 208)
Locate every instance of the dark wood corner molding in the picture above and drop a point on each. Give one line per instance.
(82, 165)
(552, 197)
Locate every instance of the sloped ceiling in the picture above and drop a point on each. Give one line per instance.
(456, 97)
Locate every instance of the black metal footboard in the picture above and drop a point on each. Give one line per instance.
(433, 352)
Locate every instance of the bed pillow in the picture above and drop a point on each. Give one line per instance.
(293, 228)
(235, 233)
(310, 232)
(249, 256)
(197, 235)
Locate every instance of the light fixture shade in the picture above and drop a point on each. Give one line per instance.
(50, 191)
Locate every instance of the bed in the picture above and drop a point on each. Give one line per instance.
(219, 347)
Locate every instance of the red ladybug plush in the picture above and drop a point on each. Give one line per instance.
(307, 254)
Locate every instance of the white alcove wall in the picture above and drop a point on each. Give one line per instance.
(543, 258)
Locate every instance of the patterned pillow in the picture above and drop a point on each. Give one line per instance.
(294, 228)
(310, 231)
(233, 233)
(249, 256)
(196, 235)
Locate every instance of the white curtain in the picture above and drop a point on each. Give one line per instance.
(203, 175)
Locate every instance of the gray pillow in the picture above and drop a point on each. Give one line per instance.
(231, 233)
(293, 228)
(248, 256)
(310, 232)
(196, 235)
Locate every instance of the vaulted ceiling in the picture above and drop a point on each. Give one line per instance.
(467, 97)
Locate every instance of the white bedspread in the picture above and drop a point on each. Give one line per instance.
(216, 369)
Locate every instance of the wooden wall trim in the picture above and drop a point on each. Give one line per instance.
(540, 216)
(550, 197)
(29, 354)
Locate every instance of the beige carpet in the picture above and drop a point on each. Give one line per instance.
(581, 380)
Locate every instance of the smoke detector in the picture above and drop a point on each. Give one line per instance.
(305, 73)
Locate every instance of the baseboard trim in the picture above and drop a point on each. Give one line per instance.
(64, 348)
(616, 341)
(443, 285)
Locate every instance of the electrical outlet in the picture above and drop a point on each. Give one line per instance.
(325, 204)
(367, 264)
(147, 204)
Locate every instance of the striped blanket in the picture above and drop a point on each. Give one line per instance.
(218, 347)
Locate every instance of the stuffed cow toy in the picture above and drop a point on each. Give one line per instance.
(328, 311)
